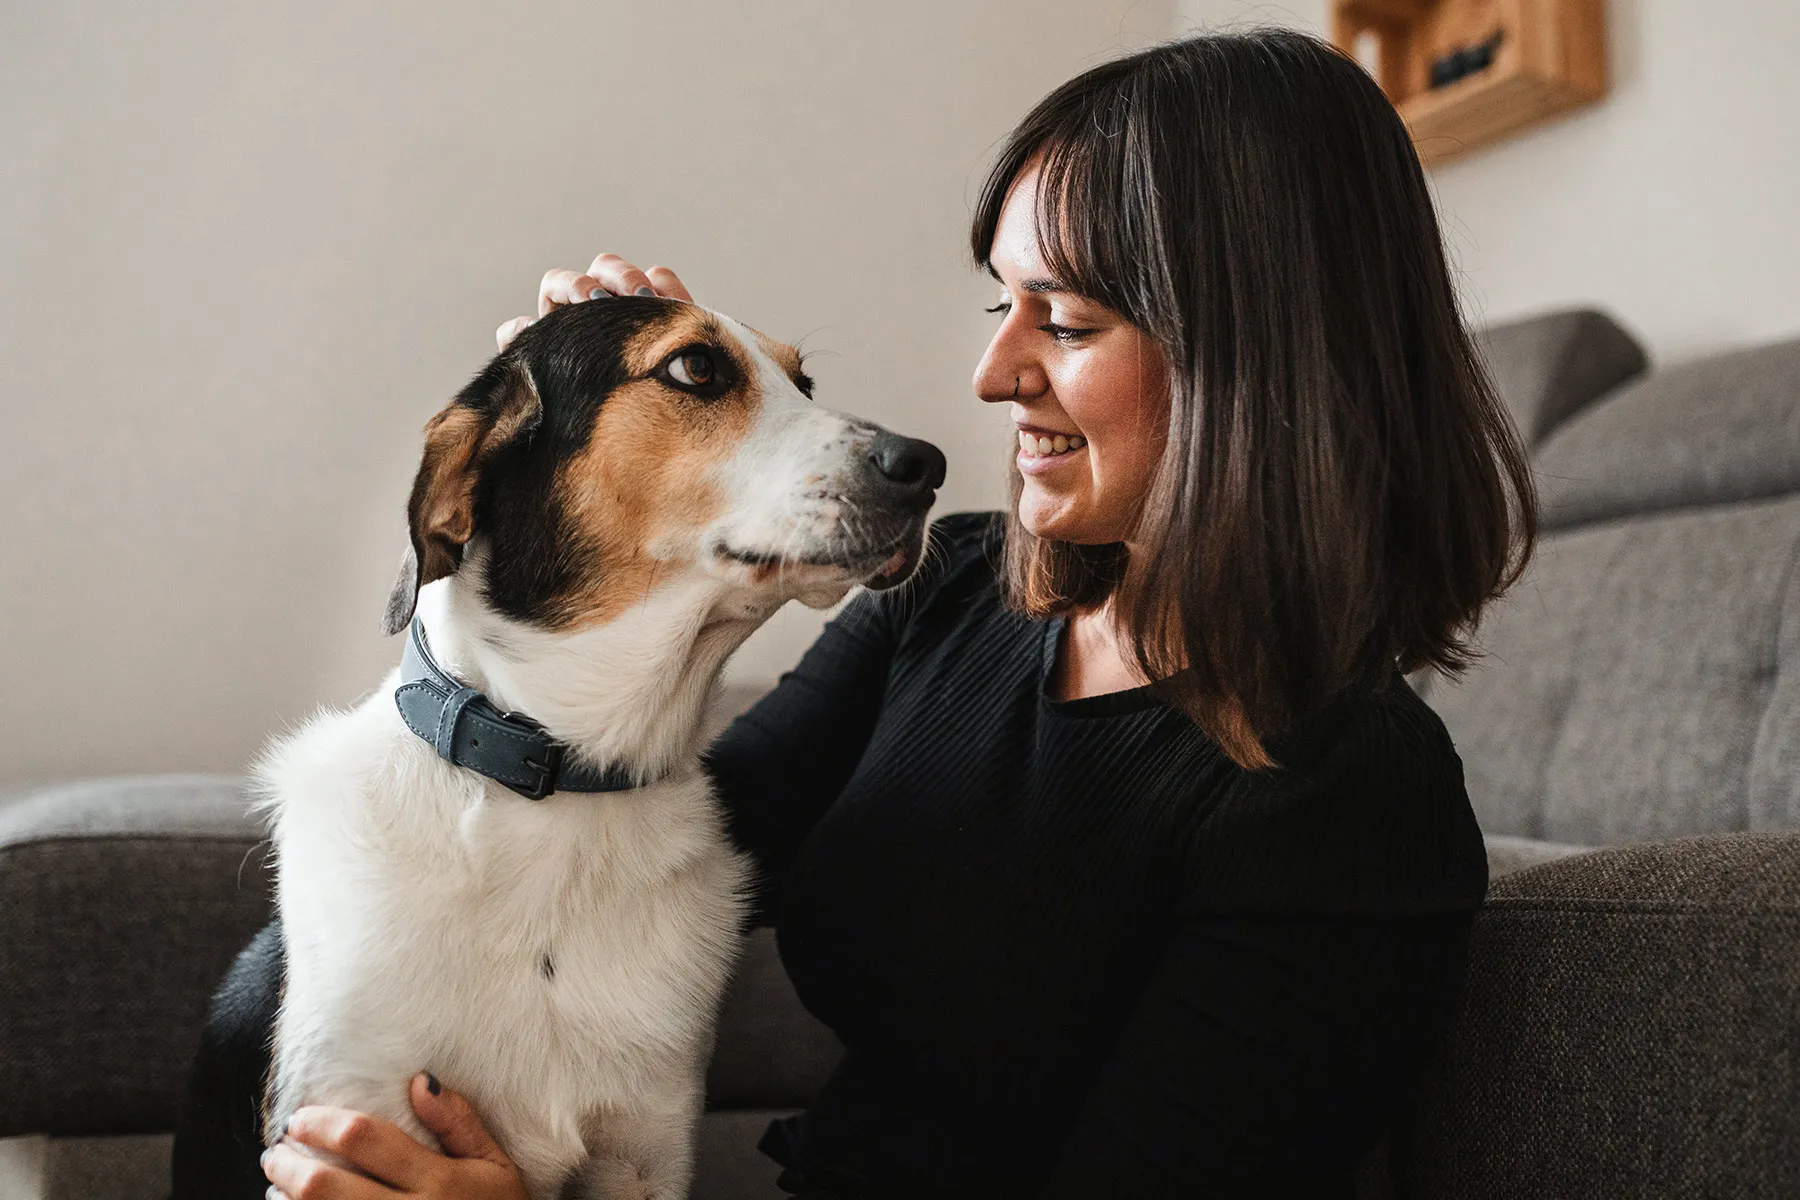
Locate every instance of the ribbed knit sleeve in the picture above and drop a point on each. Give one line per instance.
(780, 765)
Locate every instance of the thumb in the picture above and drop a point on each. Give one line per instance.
(452, 1118)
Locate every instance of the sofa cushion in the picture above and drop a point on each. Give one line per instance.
(1628, 1030)
(1508, 854)
(1548, 367)
(727, 1164)
(1642, 681)
(771, 1052)
(1720, 430)
(124, 902)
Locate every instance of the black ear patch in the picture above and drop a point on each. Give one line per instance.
(501, 406)
(492, 456)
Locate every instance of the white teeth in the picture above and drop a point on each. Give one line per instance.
(1034, 446)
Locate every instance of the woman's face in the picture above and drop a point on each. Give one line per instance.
(1077, 376)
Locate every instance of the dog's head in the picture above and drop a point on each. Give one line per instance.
(621, 443)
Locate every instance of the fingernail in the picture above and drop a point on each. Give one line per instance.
(645, 291)
(432, 1085)
(599, 294)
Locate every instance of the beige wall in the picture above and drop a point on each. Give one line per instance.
(245, 251)
(1675, 203)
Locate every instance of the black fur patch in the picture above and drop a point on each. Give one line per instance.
(219, 1137)
(576, 358)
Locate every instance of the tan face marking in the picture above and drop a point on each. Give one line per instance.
(642, 492)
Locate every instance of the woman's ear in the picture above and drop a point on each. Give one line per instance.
(500, 406)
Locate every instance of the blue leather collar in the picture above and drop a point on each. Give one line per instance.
(466, 729)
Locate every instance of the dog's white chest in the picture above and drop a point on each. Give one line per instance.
(555, 960)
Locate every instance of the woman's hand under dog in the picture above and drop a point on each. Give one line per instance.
(472, 1167)
(607, 275)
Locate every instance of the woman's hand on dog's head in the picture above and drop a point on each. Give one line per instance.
(607, 275)
(472, 1167)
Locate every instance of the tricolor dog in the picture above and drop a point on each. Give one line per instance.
(505, 866)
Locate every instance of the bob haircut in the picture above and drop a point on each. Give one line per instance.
(1341, 491)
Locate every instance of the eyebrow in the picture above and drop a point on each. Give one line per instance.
(1034, 285)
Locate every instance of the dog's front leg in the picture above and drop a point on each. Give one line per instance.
(646, 1153)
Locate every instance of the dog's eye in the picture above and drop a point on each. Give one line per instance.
(694, 369)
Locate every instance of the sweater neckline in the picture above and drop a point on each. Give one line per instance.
(1296, 744)
(1106, 704)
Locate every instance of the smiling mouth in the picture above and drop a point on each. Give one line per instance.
(1047, 446)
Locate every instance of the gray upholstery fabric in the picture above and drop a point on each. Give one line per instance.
(1508, 854)
(1642, 681)
(1631, 1028)
(771, 1052)
(727, 1164)
(1550, 366)
(1716, 431)
(108, 1168)
(124, 902)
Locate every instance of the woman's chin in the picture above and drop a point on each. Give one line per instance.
(1049, 516)
(1057, 517)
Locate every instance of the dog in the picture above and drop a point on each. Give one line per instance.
(599, 519)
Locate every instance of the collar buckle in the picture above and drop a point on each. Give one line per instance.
(548, 769)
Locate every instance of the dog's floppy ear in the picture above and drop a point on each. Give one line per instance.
(501, 405)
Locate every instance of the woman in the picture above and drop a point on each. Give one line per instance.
(1116, 848)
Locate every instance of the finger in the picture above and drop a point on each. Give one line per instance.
(372, 1145)
(453, 1119)
(510, 330)
(304, 1178)
(558, 288)
(620, 277)
(668, 283)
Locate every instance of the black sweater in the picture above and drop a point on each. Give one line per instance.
(1071, 949)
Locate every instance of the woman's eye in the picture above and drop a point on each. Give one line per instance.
(1002, 307)
(694, 368)
(1064, 333)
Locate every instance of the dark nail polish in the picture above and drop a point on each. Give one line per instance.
(432, 1085)
(645, 291)
(599, 294)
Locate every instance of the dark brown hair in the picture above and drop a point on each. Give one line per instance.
(1342, 491)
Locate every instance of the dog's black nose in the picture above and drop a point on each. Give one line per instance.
(907, 462)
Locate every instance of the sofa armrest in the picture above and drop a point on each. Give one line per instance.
(1631, 1027)
(122, 902)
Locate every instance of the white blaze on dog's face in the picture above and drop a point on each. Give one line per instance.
(623, 442)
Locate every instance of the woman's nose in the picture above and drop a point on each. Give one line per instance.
(1004, 376)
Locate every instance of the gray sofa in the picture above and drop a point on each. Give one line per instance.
(1632, 1021)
